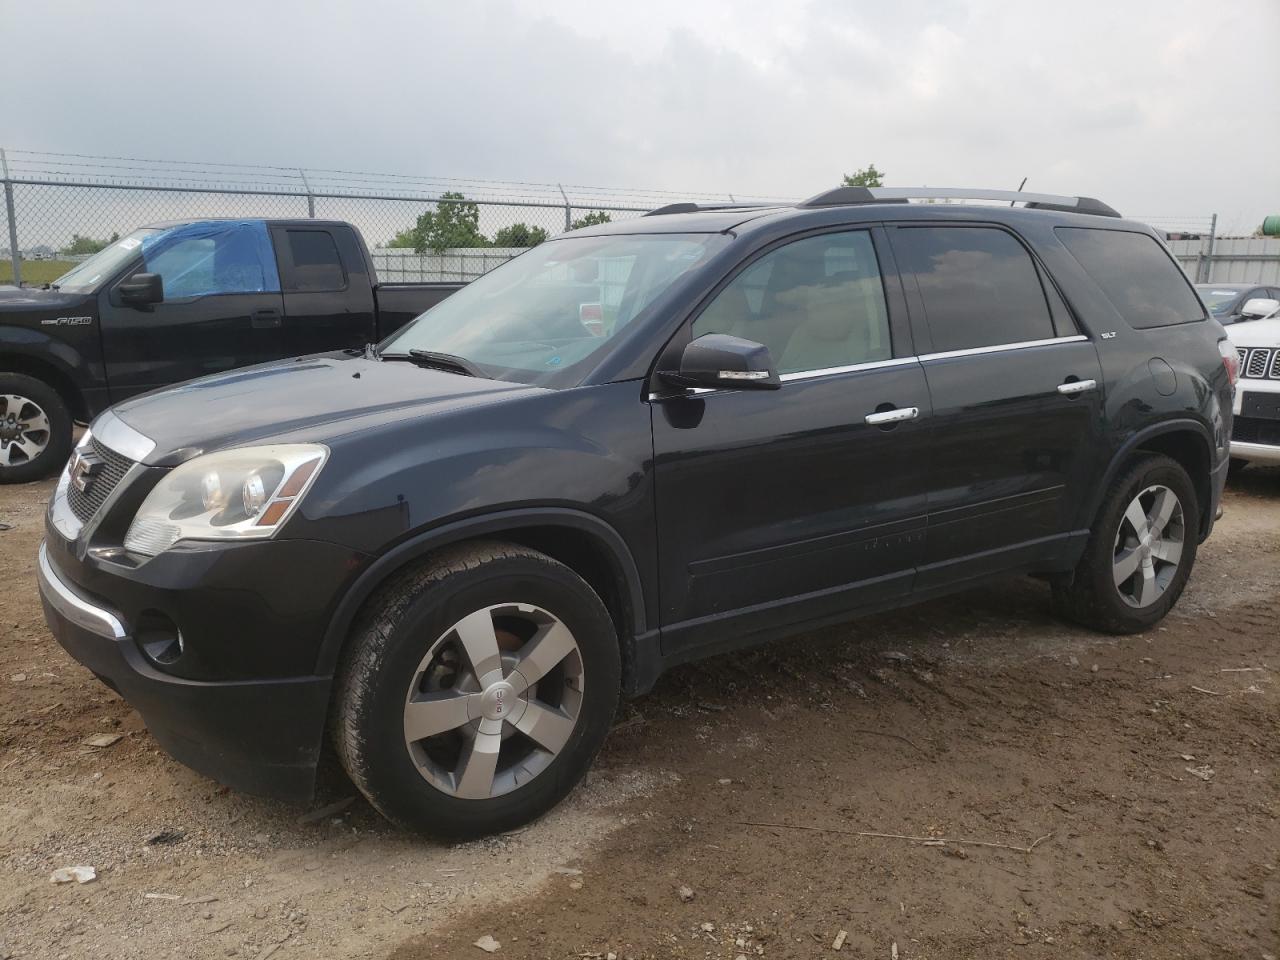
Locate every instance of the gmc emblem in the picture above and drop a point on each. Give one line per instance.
(84, 467)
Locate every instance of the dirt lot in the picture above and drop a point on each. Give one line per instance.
(1143, 769)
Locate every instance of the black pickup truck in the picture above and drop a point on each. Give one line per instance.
(179, 300)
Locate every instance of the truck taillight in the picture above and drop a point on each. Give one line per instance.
(1230, 360)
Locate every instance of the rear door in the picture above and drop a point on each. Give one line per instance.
(328, 293)
(775, 507)
(221, 309)
(1016, 394)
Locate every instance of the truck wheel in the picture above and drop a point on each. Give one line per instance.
(476, 690)
(1140, 551)
(35, 429)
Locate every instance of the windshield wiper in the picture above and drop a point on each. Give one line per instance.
(436, 361)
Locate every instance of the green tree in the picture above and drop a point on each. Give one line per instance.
(594, 218)
(80, 246)
(519, 235)
(406, 239)
(870, 177)
(455, 222)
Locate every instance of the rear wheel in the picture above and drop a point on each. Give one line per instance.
(476, 691)
(35, 429)
(1140, 551)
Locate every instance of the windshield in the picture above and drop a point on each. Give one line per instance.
(554, 306)
(1218, 301)
(103, 264)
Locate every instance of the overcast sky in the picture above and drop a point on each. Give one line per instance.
(1166, 107)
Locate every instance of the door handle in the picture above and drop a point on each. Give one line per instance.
(265, 319)
(892, 416)
(1072, 387)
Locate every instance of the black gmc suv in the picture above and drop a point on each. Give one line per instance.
(177, 300)
(636, 445)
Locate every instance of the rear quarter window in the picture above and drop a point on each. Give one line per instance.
(1136, 274)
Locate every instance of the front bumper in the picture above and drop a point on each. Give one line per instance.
(1255, 452)
(259, 736)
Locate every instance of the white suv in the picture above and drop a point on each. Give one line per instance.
(1255, 435)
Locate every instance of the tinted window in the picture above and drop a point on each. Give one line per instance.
(200, 259)
(1142, 281)
(316, 264)
(979, 285)
(814, 303)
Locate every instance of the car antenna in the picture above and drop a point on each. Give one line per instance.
(1020, 186)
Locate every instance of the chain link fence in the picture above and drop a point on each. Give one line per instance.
(59, 206)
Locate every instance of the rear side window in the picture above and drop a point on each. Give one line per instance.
(1139, 278)
(316, 265)
(979, 285)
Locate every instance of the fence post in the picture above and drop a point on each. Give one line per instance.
(1208, 260)
(568, 210)
(13, 221)
(311, 201)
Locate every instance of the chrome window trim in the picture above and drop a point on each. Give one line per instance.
(876, 364)
(113, 432)
(848, 368)
(74, 607)
(1000, 347)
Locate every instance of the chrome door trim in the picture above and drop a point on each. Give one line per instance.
(848, 368)
(801, 375)
(1001, 347)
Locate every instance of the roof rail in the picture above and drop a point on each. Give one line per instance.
(687, 207)
(842, 196)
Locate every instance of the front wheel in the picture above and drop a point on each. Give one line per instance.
(476, 690)
(1140, 551)
(35, 429)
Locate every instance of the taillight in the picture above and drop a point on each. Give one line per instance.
(1230, 360)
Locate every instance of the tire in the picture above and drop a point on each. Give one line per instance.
(35, 429)
(1092, 597)
(421, 646)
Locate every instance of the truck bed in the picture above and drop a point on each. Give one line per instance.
(398, 303)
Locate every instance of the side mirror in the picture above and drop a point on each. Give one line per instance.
(142, 289)
(1259, 307)
(717, 361)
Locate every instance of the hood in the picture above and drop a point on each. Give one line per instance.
(320, 395)
(1255, 333)
(25, 299)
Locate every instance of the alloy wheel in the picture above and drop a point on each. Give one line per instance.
(494, 701)
(1149, 546)
(24, 430)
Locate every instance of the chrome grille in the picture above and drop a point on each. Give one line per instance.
(1274, 372)
(85, 503)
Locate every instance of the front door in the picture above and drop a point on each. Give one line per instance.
(781, 507)
(222, 308)
(1017, 396)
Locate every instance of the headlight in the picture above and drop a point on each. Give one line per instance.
(243, 494)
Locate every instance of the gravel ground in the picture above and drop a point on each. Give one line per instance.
(1148, 764)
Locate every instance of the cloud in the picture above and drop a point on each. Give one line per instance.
(1160, 108)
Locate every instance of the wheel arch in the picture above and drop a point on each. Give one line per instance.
(1186, 441)
(581, 541)
(49, 371)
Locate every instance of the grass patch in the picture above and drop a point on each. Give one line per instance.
(35, 272)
